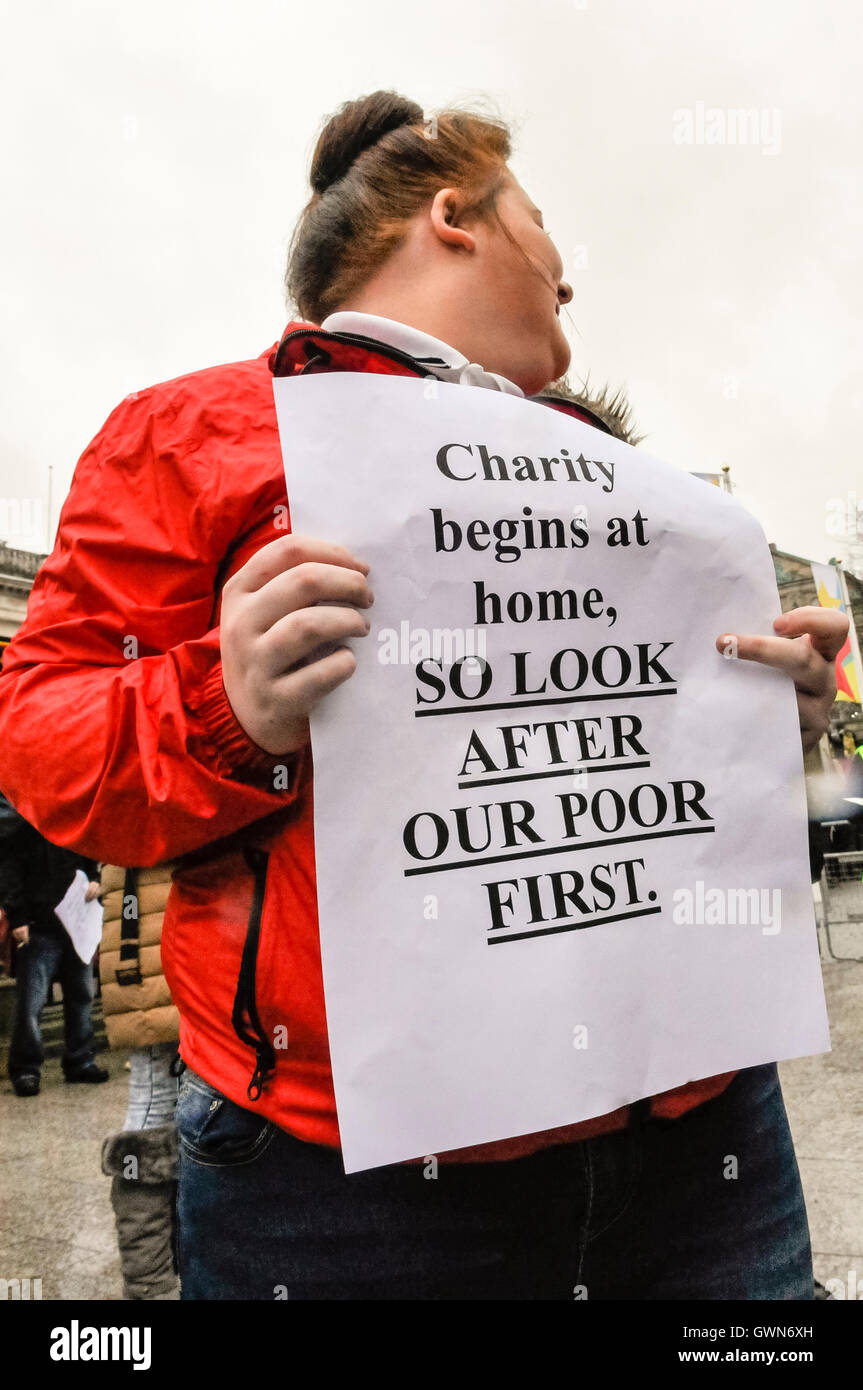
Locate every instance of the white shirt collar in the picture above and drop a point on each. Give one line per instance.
(444, 361)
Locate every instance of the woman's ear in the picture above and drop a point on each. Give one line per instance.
(446, 208)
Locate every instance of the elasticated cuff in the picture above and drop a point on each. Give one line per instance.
(227, 741)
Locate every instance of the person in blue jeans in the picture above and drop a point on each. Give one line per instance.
(707, 1206)
(34, 876)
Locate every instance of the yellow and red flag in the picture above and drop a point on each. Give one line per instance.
(833, 593)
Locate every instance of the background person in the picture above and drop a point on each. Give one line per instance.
(141, 1158)
(34, 877)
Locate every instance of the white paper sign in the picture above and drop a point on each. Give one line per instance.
(82, 920)
(572, 873)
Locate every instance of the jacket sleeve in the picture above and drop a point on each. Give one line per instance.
(118, 739)
(90, 867)
(12, 895)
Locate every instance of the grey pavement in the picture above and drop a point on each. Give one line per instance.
(824, 1100)
(56, 1222)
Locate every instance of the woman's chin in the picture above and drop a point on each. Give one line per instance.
(534, 382)
(562, 355)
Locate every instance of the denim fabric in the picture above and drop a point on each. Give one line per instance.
(654, 1212)
(45, 956)
(152, 1088)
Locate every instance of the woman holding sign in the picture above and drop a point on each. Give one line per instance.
(154, 707)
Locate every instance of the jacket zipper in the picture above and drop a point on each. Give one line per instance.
(245, 1018)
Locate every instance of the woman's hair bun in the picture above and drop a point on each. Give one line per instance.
(355, 127)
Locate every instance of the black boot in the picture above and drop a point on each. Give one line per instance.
(90, 1074)
(26, 1083)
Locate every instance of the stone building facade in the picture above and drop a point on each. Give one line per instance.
(17, 572)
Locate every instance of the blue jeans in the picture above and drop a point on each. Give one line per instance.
(46, 956)
(708, 1206)
(152, 1088)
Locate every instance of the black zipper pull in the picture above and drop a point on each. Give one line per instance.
(245, 1018)
(264, 1068)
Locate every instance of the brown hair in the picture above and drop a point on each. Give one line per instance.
(376, 162)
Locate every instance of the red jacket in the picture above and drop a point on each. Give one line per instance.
(119, 742)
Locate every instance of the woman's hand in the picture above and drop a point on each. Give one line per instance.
(93, 890)
(806, 649)
(284, 617)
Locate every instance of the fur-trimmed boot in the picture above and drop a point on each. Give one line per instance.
(143, 1166)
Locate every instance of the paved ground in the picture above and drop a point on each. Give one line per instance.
(824, 1099)
(55, 1215)
(56, 1221)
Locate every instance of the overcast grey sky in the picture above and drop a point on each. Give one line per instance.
(154, 161)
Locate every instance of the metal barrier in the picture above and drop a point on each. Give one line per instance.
(842, 902)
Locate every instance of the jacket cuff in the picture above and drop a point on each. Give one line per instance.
(15, 916)
(228, 744)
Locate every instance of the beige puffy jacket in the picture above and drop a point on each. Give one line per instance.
(136, 1002)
